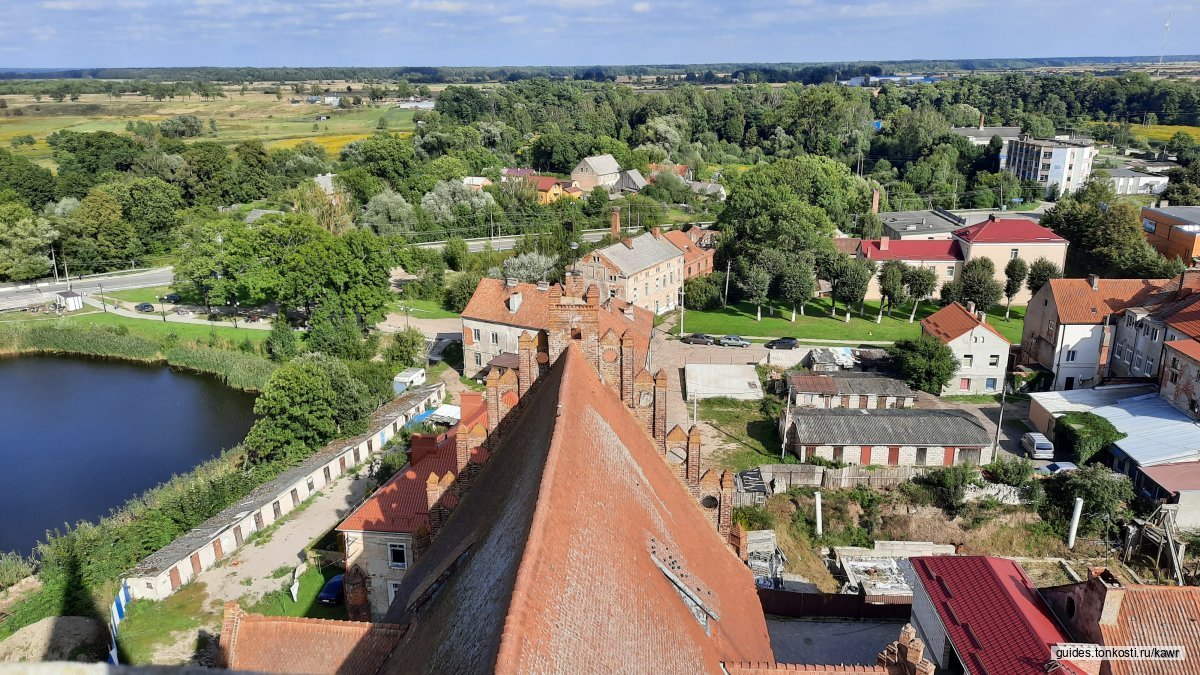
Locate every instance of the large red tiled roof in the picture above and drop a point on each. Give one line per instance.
(805, 668)
(1190, 348)
(1157, 616)
(911, 249)
(545, 183)
(1008, 231)
(691, 252)
(1079, 303)
(1187, 321)
(561, 564)
(280, 644)
(952, 321)
(992, 614)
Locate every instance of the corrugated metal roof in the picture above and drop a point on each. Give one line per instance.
(1157, 432)
(602, 164)
(1156, 615)
(647, 251)
(840, 426)
(1083, 400)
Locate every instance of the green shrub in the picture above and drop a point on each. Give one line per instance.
(1084, 434)
(948, 485)
(1015, 472)
(753, 518)
(13, 568)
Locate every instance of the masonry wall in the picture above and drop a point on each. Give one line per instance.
(976, 350)
(947, 270)
(494, 339)
(1180, 382)
(371, 551)
(161, 585)
(894, 455)
(1001, 253)
(1137, 346)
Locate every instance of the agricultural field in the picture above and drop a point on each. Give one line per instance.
(1163, 132)
(256, 115)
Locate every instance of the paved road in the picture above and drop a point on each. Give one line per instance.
(171, 317)
(44, 292)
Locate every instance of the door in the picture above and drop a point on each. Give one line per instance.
(341, 465)
(175, 578)
(865, 455)
(237, 535)
(217, 550)
(195, 563)
(837, 453)
(276, 510)
(894, 456)
(295, 497)
(326, 475)
(969, 455)
(258, 521)
(1070, 384)
(862, 400)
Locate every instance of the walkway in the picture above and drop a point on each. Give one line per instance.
(171, 317)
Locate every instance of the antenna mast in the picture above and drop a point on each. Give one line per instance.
(1162, 52)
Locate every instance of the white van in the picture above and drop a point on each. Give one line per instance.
(1037, 445)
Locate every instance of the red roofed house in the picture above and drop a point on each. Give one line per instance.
(1002, 239)
(549, 188)
(983, 616)
(942, 256)
(697, 261)
(1179, 383)
(1104, 611)
(981, 351)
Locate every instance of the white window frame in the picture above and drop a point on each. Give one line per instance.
(475, 334)
(994, 360)
(392, 546)
(990, 384)
(950, 272)
(968, 361)
(393, 586)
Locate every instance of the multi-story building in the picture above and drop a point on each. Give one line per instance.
(1173, 230)
(1002, 239)
(499, 312)
(1141, 330)
(647, 270)
(596, 171)
(982, 135)
(697, 260)
(981, 351)
(943, 256)
(1064, 164)
(1128, 181)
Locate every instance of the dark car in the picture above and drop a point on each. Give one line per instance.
(698, 339)
(782, 343)
(144, 307)
(172, 298)
(333, 593)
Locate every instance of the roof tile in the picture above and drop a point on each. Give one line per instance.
(912, 249)
(1008, 231)
(953, 321)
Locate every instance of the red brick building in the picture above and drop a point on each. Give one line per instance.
(697, 260)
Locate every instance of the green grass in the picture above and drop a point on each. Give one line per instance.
(157, 330)
(749, 434)
(977, 399)
(279, 603)
(421, 309)
(816, 325)
(137, 295)
(149, 623)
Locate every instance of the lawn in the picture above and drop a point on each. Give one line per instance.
(136, 295)
(748, 431)
(279, 603)
(157, 330)
(148, 625)
(421, 309)
(738, 319)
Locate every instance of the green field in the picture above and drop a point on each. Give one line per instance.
(738, 319)
(421, 309)
(238, 118)
(151, 329)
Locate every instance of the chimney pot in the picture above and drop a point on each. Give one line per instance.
(511, 282)
(982, 317)
(1094, 281)
(884, 243)
(971, 307)
(543, 285)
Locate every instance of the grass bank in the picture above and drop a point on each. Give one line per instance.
(85, 336)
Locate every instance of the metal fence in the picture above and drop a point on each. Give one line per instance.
(829, 606)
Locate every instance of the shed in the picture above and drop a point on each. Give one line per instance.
(70, 301)
(408, 378)
(710, 380)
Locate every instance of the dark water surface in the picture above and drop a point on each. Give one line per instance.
(79, 436)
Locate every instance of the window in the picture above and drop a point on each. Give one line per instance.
(1137, 361)
(1129, 353)
(1070, 355)
(478, 359)
(393, 588)
(838, 453)
(990, 384)
(398, 556)
(1129, 320)
(994, 360)
(964, 384)
(1013, 253)
(1154, 335)
(1149, 364)
(311, 486)
(922, 456)
(1051, 324)
(495, 338)
(968, 361)
(475, 334)
(950, 272)
(1174, 362)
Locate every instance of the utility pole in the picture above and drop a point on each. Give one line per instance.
(725, 299)
(681, 333)
(1000, 420)
(54, 264)
(103, 305)
(66, 269)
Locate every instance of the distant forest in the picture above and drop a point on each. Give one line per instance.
(807, 73)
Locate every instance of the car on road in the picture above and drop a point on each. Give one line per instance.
(782, 343)
(144, 307)
(698, 339)
(734, 341)
(333, 593)
(172, 298)
(1037, 446)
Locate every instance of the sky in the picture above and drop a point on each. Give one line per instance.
(115, 33)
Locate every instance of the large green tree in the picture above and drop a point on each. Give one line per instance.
(925, 362)
(976, 284)
(24, 243)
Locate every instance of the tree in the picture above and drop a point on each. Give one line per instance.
(32, 183)
(920, 283)
(852, 283)
(451, 201)
(24, 241)
(389, 213)
(1014, 278)
(797, 282)
(926, 363)
(976, 284)
(328, 211)
(1104, 493)
(459, 292)
(1041, 272)
(891, 286)
(282, 344)
(181, 126)
(407, 348)
(530, 267)
(755, 283)
(455, 252)
(334, 331)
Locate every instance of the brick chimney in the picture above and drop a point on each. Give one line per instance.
(358, 604)
(971, 307)
(1111, 591)
(656, 233)
(692, 478)
(421, 446)
(628, 241)
(1094, 281)
(885, 242)
(433, 494)
(725, 518)
(616, 223)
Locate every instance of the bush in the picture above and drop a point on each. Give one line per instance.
(407, 348)
(1085, 434)
(753, 518)
(1015, 472)
(1105, 493)
(704, 292)
(13, 568)
(388, 463)
(459, 292)
(948, 486)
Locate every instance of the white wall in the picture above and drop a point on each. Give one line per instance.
(1085, 341)
(982, 345)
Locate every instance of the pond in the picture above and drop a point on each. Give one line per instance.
(78, 437)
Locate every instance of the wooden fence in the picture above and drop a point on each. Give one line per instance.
(829, 605)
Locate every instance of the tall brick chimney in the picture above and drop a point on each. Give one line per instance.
(725, 519)
(433, 495)
(875, 201)
(358, 604)
(660, 405)
(692, 477)
(526, 363)
(616, 224)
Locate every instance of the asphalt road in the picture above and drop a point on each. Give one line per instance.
(32, 294)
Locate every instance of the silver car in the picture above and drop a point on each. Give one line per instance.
(734, 341)
(1037, 445)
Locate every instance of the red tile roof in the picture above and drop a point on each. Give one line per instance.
(847, 245)
(1157, 616)
(1189, 348)
(1008, 231)
(992, 614)
(691, 252)
(806, 668)
(1079, 303)
(278, 644)
(561, 564)
(953, 321)
(912, 249)
(546, 183)
(1187, 321)
(1175, 478)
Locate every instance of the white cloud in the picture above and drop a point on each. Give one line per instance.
(513, 19)
(641, 7)
(447, 6)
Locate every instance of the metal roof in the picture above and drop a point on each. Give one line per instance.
(647, 251)
(602, 164)
(841, 426)
(1188, 213)
(1084, 400)
(1157, 432)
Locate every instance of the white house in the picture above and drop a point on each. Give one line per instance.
(981, 351)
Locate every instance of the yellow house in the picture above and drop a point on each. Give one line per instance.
(549, 189)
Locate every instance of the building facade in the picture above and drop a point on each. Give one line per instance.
(1062, 163)
(1173, 230)
(697, 260)
(1131, 182)
(1002, 239)
(888, 437)
(980, 350)
(646, 271)
(943, 256)
(596, 171)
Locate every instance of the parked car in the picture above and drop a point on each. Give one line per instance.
(782, 343)
(1037, 446)
(333, 593)
(698, 339)
(1057, 467)
(734, 341)
(144, 307)
(172, 298)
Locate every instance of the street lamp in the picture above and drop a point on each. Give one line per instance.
(102, 303)
(234, 304)
(574, 246)
(162, 307)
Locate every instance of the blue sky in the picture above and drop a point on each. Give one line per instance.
(79, 33)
